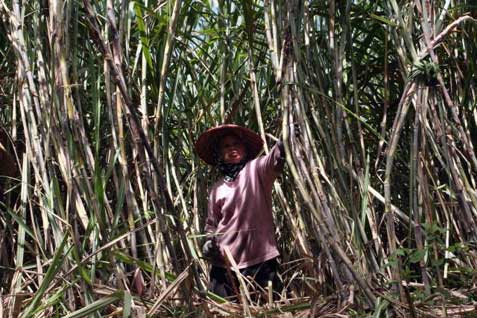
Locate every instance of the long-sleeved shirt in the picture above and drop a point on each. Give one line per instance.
(240, 211)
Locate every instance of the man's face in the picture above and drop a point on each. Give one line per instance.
(232, 149)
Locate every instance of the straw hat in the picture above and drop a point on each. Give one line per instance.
(207, 142)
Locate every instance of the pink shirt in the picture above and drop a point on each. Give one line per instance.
(240, 211)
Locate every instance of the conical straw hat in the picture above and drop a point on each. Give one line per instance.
(207, 141)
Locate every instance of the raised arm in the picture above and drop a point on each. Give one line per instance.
(271, 165)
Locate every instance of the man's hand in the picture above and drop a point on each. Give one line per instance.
(211, 250)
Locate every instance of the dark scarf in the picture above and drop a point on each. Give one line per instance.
(230, 170)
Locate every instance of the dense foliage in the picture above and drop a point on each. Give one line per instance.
(102, 101)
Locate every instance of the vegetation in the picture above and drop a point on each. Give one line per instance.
(102, 101)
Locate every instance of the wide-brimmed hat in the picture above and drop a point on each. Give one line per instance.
(206, 145)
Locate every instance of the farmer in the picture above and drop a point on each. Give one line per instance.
(240, 207)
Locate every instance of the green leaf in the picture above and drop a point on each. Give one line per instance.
(19, 220)
(381, 305)
(383, 19)
(416, 256)
(401, 252)
(50, 275)
(127, 304)
(97, 305)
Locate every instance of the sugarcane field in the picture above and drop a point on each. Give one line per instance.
(238, 158)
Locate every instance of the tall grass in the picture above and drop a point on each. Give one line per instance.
(103, 101)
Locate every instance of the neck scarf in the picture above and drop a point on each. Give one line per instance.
(230, 170)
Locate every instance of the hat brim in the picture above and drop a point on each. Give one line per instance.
(207, 141)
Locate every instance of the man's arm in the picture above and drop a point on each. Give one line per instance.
(271, 165)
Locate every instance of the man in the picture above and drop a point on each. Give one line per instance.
(240, 207)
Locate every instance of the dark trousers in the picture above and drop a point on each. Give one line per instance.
(224, 282)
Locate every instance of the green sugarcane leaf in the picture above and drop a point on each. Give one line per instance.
(50, 275)
(19, 220)
(127, 304)
(383, 19)
(97, 305)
